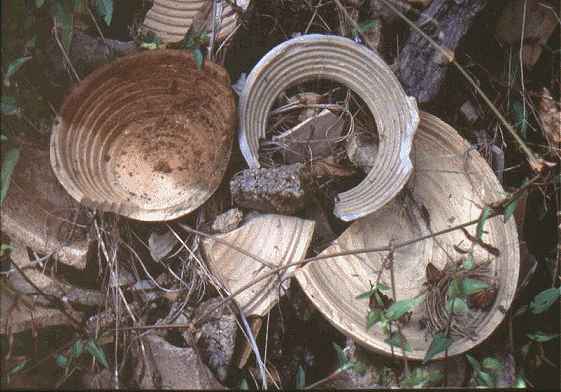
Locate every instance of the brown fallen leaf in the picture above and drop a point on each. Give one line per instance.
(327, 167)
(550, 118)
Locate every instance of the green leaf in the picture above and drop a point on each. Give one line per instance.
(482, 220)
(243, 385)
(544, 300)
(61, 361)
(3, 138)
(105, 8)
(468, 264)
(77, 348)
(198, 56)
(363, 27)
(4, 248)
(97, 352)
(460, 306)
(542, 337)
(373, 317)
(520, 120)
(520, 383)
(341, 357)
(455, 288)
(472, 286)
(365, 295)
(473, 362)
(359, 367)
(490, 363)
(399, 308)
(63, 13)
(438, 345)
(420, 378)
(382, 287)
(9, 163)
(18, 367)
(13, 67)
(485, 379)
(509, 210)
(300, 378)
(39, 3)
(398, 340)
(9, 106)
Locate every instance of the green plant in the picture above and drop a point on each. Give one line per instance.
(485, 373)
(69, 359)
(195, 42)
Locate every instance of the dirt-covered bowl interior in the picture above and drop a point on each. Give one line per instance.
(148, 136)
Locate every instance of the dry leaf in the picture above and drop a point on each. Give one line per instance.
(550, 117)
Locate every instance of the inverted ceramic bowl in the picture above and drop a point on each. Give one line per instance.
(170, 19)
(449, 184)
(342, 60)
(148, 136)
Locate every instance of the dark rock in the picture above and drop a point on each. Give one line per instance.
(216, 338)
(278, 190)
(227, 221)
(170, 367)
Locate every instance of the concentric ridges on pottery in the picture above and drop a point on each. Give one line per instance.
(342, 60)
(170, 19)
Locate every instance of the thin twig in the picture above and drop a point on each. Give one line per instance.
(401, 337)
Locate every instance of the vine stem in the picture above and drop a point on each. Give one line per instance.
(401, 337)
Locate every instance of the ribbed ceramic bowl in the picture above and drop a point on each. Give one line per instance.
(342, 60)
(170, 19)
(148, 136)
(449, 184)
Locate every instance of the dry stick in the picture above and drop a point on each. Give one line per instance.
(535, 163)
(401, 343)
(98, 28)
(65, 55)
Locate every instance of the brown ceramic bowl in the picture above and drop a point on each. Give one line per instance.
(148, 136)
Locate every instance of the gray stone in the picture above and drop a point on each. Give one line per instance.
(216, 338)
(362, 150)
(227, 221)
(278, 190)
(170, 367)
